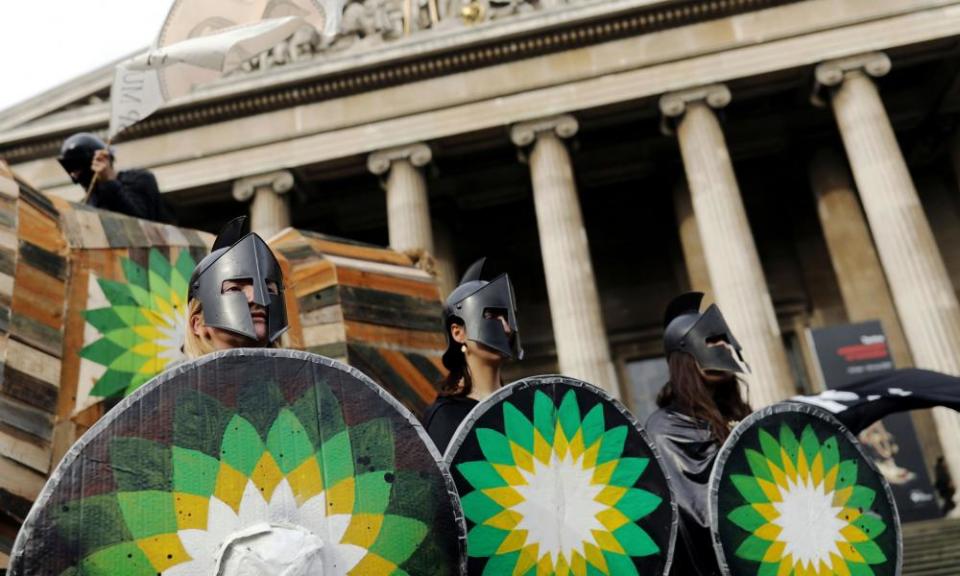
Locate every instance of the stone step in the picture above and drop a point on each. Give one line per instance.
(931, 548)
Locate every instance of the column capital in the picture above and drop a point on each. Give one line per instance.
(280, 182)
(418, 154)
(674, 104)
(832, 72)
(525, 133)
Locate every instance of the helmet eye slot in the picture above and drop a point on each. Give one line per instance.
(235, 285)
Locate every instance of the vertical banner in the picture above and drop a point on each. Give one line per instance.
(845, 354)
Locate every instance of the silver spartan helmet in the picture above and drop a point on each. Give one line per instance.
(239, 257)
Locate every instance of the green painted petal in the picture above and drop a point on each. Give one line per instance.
(809, 443)
(628, 471)
(126, 559)
(758, 465)
(870, 552)
(619, 564)
(478, 507)
(140, 464)
(519, 430)
(501, 564)
(314, 402)
(860, 569)
(160, 271)
(102, 351)
(194, 472)
(495, 446)
(336, 459)
(748, 488)
(183, 270)
(73, 521)
(111, 384)
(399, 538)
(544, 415)
(847, 475)
(861, 498)
(260, 403)
(593, 425)
(611, 446)
(134, 273)
(746, 517)
(288, 442)
(241, 447)
(199, 422)
(752, 548)
(789, 442)
(372, 444)
(831, 453)
(373, 492)
(569, 414)
(871, 524)
(635, 541)
(105, 319)
(481, 475)
(637, 503)
(118, 293)
(483, 540)
(768, 569)
(137, 381)
(148, 513)
(128, 362)
(770, 447)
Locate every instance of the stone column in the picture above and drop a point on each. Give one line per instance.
(863, 286)
(408, 208)
(736, 276)
(697, 273)
(445, 262)
(582, 347)
(918, 280)
(270, 209)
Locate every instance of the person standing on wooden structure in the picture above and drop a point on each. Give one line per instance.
(698, 407)
(235, 297)
(89, 161)
(481, 327)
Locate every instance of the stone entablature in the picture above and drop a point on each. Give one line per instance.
(310, 74)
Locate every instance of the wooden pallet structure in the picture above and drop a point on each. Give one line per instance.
(93, 305)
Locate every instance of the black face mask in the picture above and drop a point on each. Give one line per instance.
(705, 336)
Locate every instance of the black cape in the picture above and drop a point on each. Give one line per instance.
(134, 193)
(442, 418)
(688, 451)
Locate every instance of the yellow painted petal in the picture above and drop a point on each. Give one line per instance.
(527, 559)
(824, 569)
(191, 511)
(266, 475)
(505, 520)
(590, 455)
(523, 458)
(841, 496)
(610, 495)
(578, 565)
(839, 565)
(607, 541)
(786, 566)
(576, 444)
(340, 498)
(775, 552)
(229, 486)
(541, 450)
(768, 511)
(853, 534)
(850, 553)
(849, 515)
(563, 569)
(363, 530)
(788, 467)
(779, 477)
(510, 474)
(768, 532)
(560, 444)
(373, 564)
(803, 469)
(163, 551)
(770, 489)
(595, 557)
(514, 541)
(604, 472)
(611, 518)
(830, 479)
(816, 470)
(505, 496)
(305, 480)
(545, 566)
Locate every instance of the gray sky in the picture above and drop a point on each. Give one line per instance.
(47, 42)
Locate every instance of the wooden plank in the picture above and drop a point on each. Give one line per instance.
(34, 333)
(6, 287)
(325, 315)
(9, 186)
(329, 296)
(85, 229)
(44, 260)
(26, 419)
(334, 350)
(40, 229)
(133, 233)
(8, 239)
(30, 361)
(372, 334)
(8, 262)
(389, 309)
(39, 296)
(20, 480)
(368, 360)
(323, 334)
(29, 390)
(8, 212)
(428, 365)
(415, 379)
(24, 451)
(73, 326)
(331, 248)
(424, 288)
(313, 277)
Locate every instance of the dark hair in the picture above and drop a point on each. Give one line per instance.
(457, 381)
(716, 404)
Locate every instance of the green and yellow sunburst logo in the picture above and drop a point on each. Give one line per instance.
(803, 510)
(139, 324)
(557, 495)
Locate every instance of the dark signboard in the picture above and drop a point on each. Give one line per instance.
(848, 352)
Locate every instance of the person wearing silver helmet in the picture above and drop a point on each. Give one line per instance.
(698, 407)
(480, 320)
(235, 296)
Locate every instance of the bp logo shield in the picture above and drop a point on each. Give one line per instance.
(792, 493)
(249, 462)
(556, 477)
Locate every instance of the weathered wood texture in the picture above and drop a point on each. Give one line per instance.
(368, 306)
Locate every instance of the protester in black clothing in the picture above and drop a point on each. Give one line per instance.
(698, 407)
(481, 326)
(130, 192)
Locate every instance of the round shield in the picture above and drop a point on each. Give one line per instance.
(556, 477)
(792, 493)
(249, 462)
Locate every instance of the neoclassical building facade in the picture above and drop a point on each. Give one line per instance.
(795, 160)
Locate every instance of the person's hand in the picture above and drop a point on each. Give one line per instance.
(102, 166)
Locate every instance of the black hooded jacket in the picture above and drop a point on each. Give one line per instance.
(134, 193)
